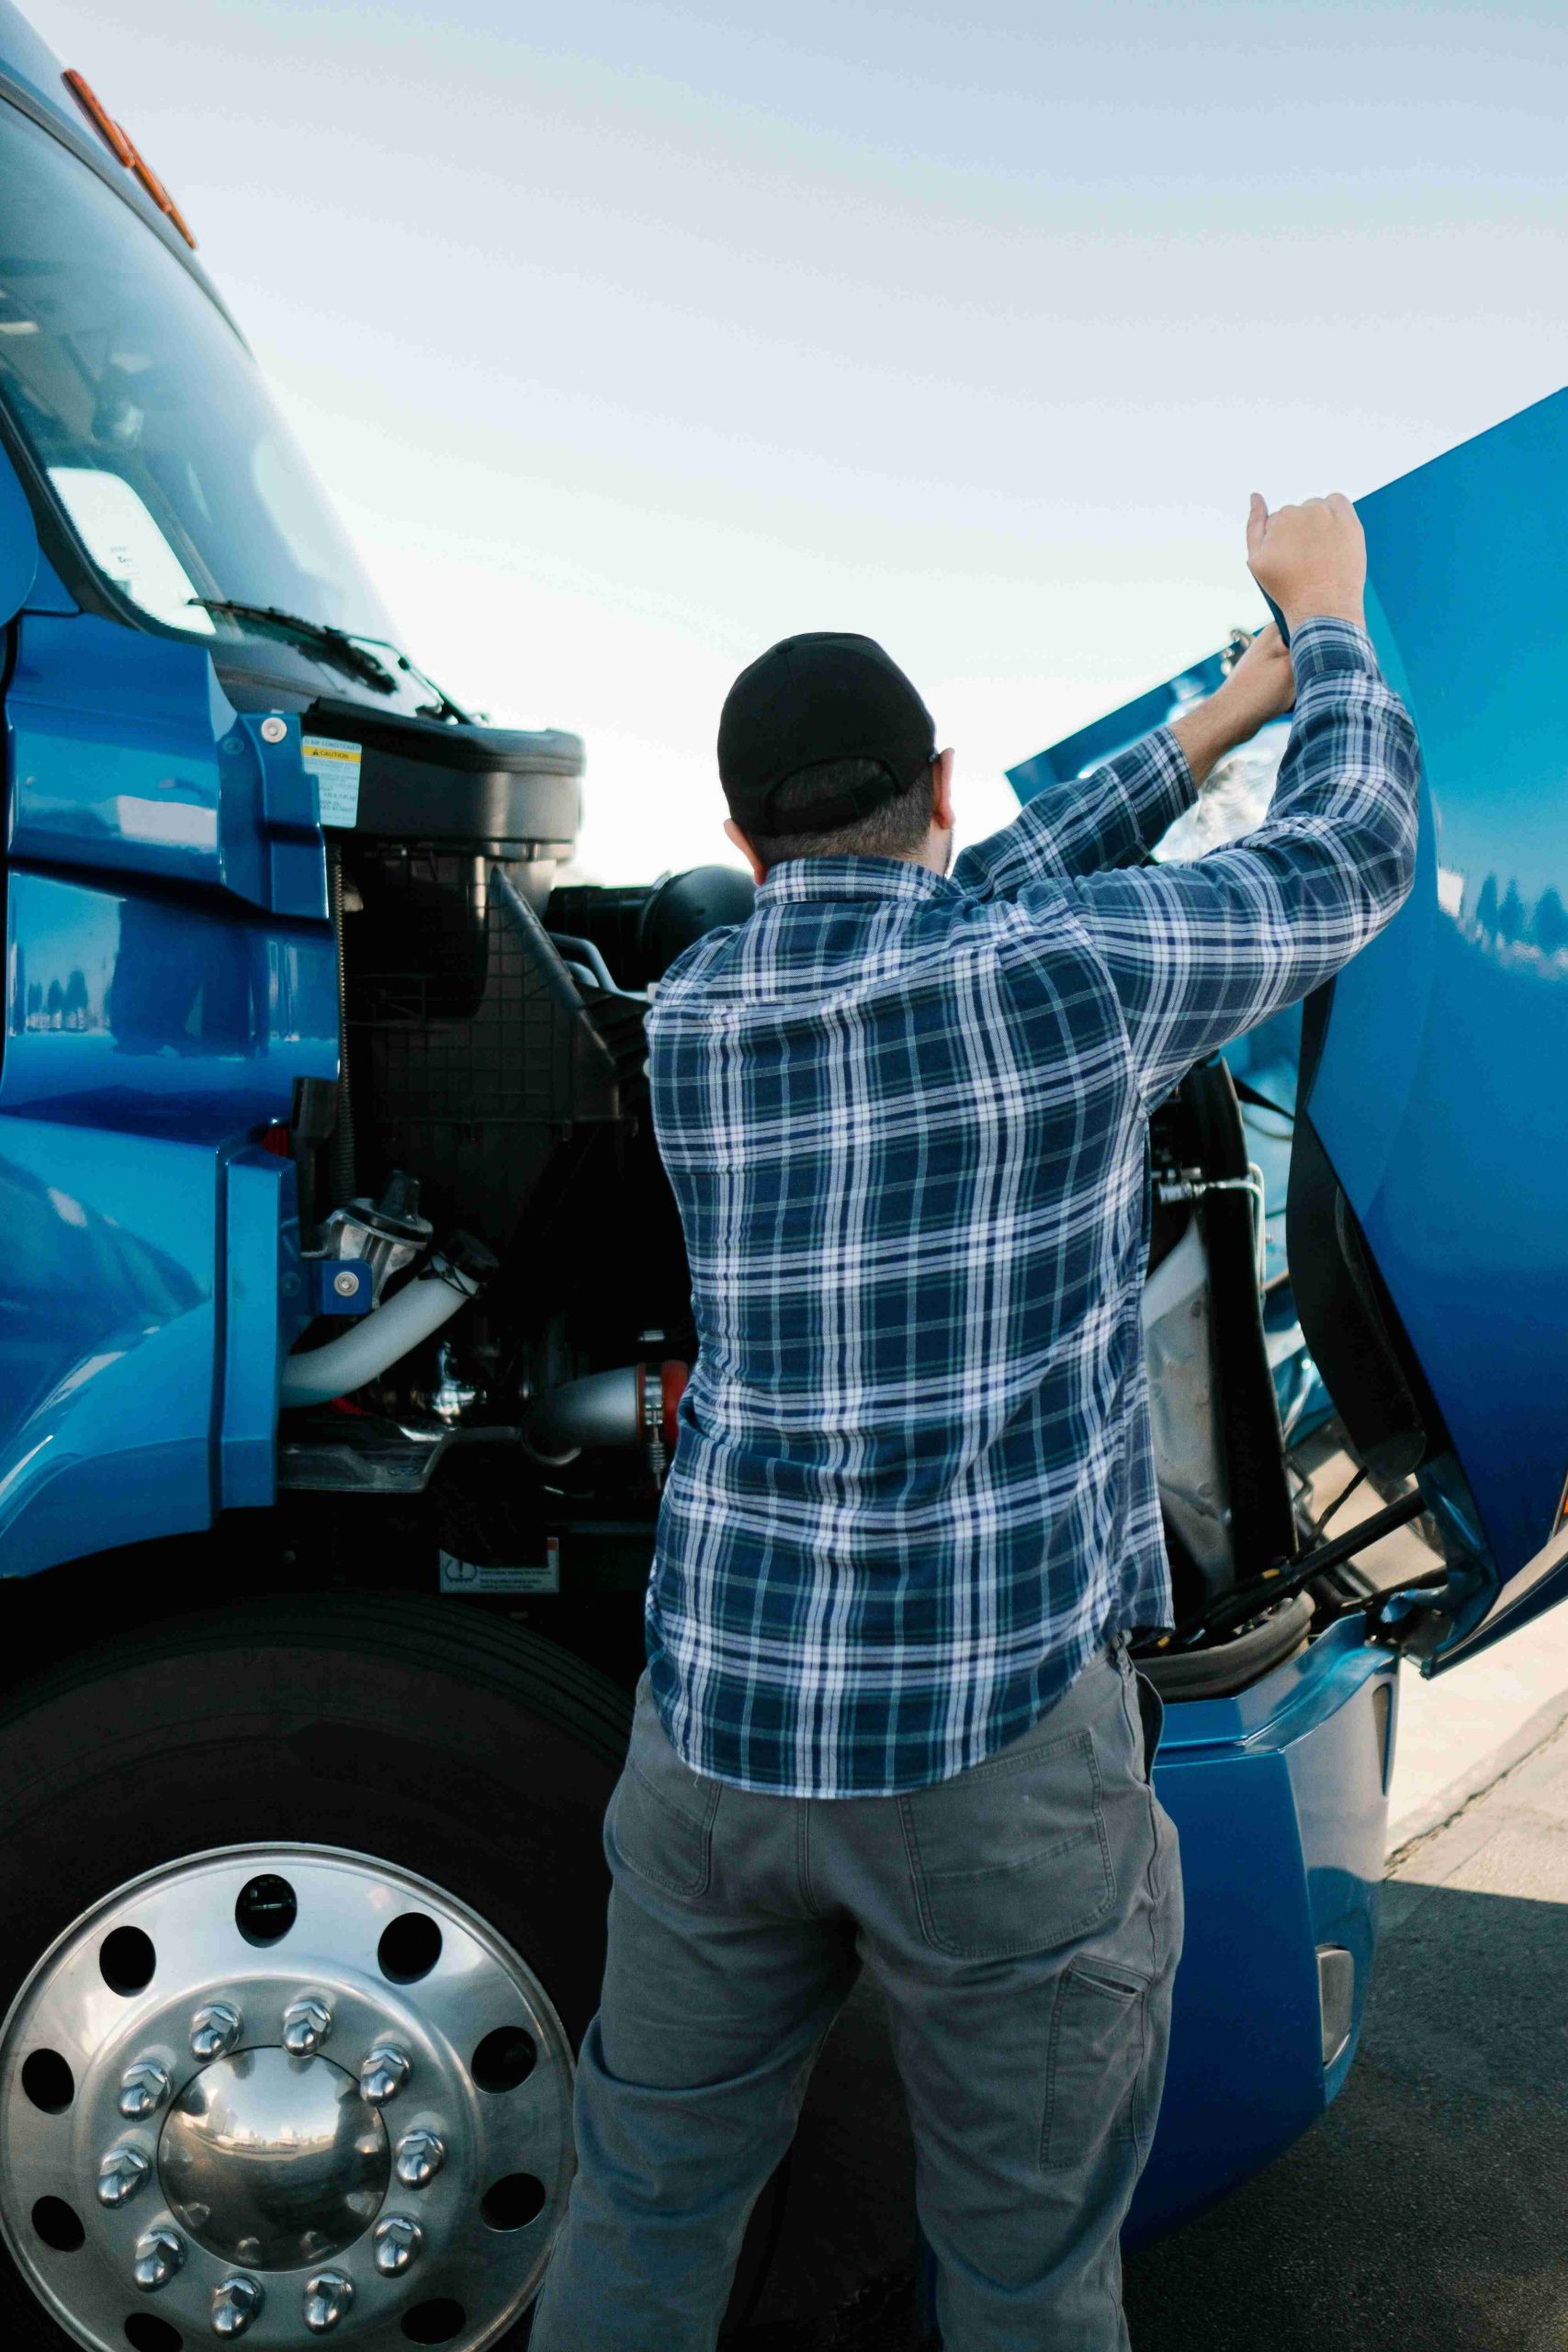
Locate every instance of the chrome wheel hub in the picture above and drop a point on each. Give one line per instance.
(287, 2091)
(274, 2161)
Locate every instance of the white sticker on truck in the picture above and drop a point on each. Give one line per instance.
(474, 1575)
(335, 767)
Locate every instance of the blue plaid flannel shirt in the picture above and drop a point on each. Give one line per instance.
(906, 1121)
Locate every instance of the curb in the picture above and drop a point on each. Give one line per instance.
(1408, 1829)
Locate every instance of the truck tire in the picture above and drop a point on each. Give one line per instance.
(318, 1881)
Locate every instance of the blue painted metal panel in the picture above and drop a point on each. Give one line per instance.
(1278, 1799)
(126, 754)
(18, 544)
(137, 1390)
(114, 751)
(169, 974)
(49, 593)
(108, 1333)
(159, 1015)
(1437, 1095)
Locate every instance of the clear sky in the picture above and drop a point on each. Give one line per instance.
(630, 338)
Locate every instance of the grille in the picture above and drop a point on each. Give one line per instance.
(470, 1051)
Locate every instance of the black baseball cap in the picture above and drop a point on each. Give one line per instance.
(808, 703)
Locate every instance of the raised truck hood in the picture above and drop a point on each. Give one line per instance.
(1427, 1223)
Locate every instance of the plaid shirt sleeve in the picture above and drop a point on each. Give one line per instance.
(1106, 819)
(1198, 953)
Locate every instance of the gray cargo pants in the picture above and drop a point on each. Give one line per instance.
(1023, 1921)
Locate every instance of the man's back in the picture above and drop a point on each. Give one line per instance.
(905, 1120)
(910, 1160)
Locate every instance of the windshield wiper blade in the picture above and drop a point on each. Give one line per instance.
(338, 646)
(351, 649)
(443, 706)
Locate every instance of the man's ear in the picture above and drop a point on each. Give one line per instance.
(941, 791)
(733, 831)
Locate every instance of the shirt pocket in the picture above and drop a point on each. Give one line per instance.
(1096, 2064)
(1011, 1857)
(661, 1815)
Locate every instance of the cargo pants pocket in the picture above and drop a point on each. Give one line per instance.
(1011, 1857)
(1095, 2065)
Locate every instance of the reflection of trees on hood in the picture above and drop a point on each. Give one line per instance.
(1540, 931)
(1550, 923)
(71, 1270)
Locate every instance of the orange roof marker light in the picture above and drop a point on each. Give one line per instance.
(124, 152)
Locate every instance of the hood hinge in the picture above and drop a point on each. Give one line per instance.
(1415, 1618)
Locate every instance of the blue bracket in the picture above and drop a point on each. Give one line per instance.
(291, 816)
(337, 1286)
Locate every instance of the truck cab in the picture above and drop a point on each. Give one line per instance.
(344, 1316)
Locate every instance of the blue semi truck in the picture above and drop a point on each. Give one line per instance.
(343, 1320)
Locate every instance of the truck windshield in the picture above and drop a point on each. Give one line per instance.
(148, 415)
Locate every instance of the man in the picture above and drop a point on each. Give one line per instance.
(890, 1720)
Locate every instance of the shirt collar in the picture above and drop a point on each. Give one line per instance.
(851, 877)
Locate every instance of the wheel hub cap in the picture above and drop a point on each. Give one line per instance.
(287, 2091)
(274, 2161)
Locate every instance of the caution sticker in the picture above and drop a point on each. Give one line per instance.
(475, 1576)
(335, 767)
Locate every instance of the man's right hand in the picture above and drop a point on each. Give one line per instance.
(1311, 559)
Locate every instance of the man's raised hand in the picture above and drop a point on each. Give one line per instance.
(1311, 559)
(1262, 686)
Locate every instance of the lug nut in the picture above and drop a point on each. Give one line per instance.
(419, 2157)
(121, 2174)
(160, 2253)
(384, 2073)
(236, 2305)
(214, 2031)
(305, 2025)
(398, 2241)
(327, 2298)
(142, 2090)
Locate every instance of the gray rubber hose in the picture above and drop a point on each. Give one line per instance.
(383, 1336)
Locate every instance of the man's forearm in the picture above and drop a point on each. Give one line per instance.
(1205, 735)
(1259, 689)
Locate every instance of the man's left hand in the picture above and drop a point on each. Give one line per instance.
(1262, 686)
